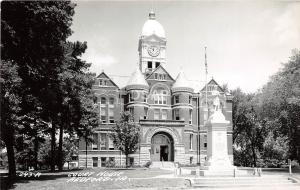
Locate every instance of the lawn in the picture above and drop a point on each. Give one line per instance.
(101, 179)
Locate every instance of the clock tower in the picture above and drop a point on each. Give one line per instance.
(152, 45)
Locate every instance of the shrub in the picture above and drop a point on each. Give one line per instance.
(147, 165)
(110, 164)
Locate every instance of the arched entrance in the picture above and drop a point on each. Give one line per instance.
(162, 147)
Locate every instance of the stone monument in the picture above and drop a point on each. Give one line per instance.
(217, 162)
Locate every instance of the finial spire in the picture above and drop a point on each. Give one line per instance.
(152, 15)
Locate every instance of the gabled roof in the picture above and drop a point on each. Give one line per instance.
(213, 82)
(102, 75)
(157, 69)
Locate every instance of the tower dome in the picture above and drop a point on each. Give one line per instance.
(137, 80)
(152, 26)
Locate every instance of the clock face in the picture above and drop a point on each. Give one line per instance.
(153, 51)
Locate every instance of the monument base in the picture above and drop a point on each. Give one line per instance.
(230, 171)
(220, 166)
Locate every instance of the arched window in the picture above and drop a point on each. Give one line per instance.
(160, 96)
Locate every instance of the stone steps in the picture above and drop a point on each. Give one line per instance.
(163, 165)
(243, 181)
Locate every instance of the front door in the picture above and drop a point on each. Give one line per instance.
(164, 153)
(162, 148)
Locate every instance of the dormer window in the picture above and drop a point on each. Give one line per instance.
(211, 88)
(160, 76)
(102, 82)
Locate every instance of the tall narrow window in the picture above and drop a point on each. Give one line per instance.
(111, 101)
(95, 141)
(190, 99)
(103, 110)
(164, 114)
(156, 114)
(149, 65)
(176, 99)
(205, 142)
(95, 162)
(103, 101)
(191, 141)
(103, 141)
(191, 117)
(145, 113)
(100, 82)
(131, 97)
(164, 97)
(110, 144)
(156, 98)
(145, 97)
(103, 161)
(161, 77)
(176, 114)
(111, 115)
(205, 116)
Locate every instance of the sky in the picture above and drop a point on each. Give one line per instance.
(247, 41)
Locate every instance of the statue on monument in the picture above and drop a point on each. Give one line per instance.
(216, 104)
(216, 101)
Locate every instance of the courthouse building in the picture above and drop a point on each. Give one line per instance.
(171, 112)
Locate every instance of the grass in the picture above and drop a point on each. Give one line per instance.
(132, 178)
(129, 179)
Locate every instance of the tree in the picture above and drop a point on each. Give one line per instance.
(76, 92)
(126, 135)
(10, 109)
(275, 150)
(249, 129)
(33, 37)
(269, 120)
(280, 104)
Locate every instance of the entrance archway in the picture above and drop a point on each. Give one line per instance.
(162, 147)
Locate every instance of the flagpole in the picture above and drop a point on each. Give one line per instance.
(206, 80)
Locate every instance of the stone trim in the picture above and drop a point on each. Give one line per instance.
(152, 131)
